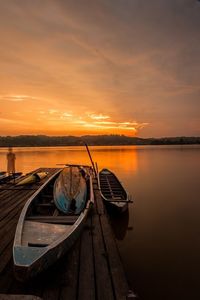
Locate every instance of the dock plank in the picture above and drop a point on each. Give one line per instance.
(6, 278)
(18, 297)
(119, 280)
(102, 276)
(86, 272)
(69, 282)
(7, 254)
(99, 203)
(20, 199)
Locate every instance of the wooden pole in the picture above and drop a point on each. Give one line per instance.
(97, 169)
(93, 166)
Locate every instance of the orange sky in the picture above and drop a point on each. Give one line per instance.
(97, 67)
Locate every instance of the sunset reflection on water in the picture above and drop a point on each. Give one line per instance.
(113, 157)
(158, 238)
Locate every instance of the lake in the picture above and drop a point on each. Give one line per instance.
(159, 237)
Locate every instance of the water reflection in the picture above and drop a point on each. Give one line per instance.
(119, 223)
(116, 158)
(161, 253)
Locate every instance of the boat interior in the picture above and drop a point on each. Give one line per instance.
(111, 187)
(43, 217)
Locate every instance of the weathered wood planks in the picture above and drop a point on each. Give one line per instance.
(92, 269)
(18, 297)
(86, 266)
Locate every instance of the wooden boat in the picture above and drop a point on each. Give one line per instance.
(35, 177)
(43, 232)
(112, 191)
(70, 186)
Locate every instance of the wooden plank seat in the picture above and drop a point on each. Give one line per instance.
(111, 191)
(46, 204)
(47, 196)
(107, 188)
(114, 196)
(53, 219)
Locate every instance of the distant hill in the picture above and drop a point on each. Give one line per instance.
(96, 140)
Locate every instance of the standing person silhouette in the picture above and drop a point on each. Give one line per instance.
(10, 161)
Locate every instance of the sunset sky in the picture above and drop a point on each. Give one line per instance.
(99, 67)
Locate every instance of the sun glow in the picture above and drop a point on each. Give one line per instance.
(63, 68)
(98, 116)
(42, 119)
(17, 98)
(88, 123)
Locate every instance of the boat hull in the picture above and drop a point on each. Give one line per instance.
(48, 258)
(32, 253)
(120, 208)
(112, 189)
(70, 186)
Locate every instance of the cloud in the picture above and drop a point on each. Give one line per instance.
(135, 126)
(12, 122)
(94, 121)
(17, 98)
(130, 58)
(53, 111)
(67, 115)
(98, 116)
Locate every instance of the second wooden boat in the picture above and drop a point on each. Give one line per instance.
(32, 178)
(45, 233)
(112, 191)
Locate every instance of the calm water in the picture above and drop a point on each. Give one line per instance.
(159, 238)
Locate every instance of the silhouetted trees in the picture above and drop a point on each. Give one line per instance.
(98, 140)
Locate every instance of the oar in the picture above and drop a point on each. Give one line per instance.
(88, 151)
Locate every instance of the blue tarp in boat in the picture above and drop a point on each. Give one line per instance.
(70, 190)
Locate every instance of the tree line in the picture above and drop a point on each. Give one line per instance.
(96, 140)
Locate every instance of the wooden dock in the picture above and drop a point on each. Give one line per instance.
(92, 269)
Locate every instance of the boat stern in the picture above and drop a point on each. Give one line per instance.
(27, 261)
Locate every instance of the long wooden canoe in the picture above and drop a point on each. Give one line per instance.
(43, 232)
(112, 191)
